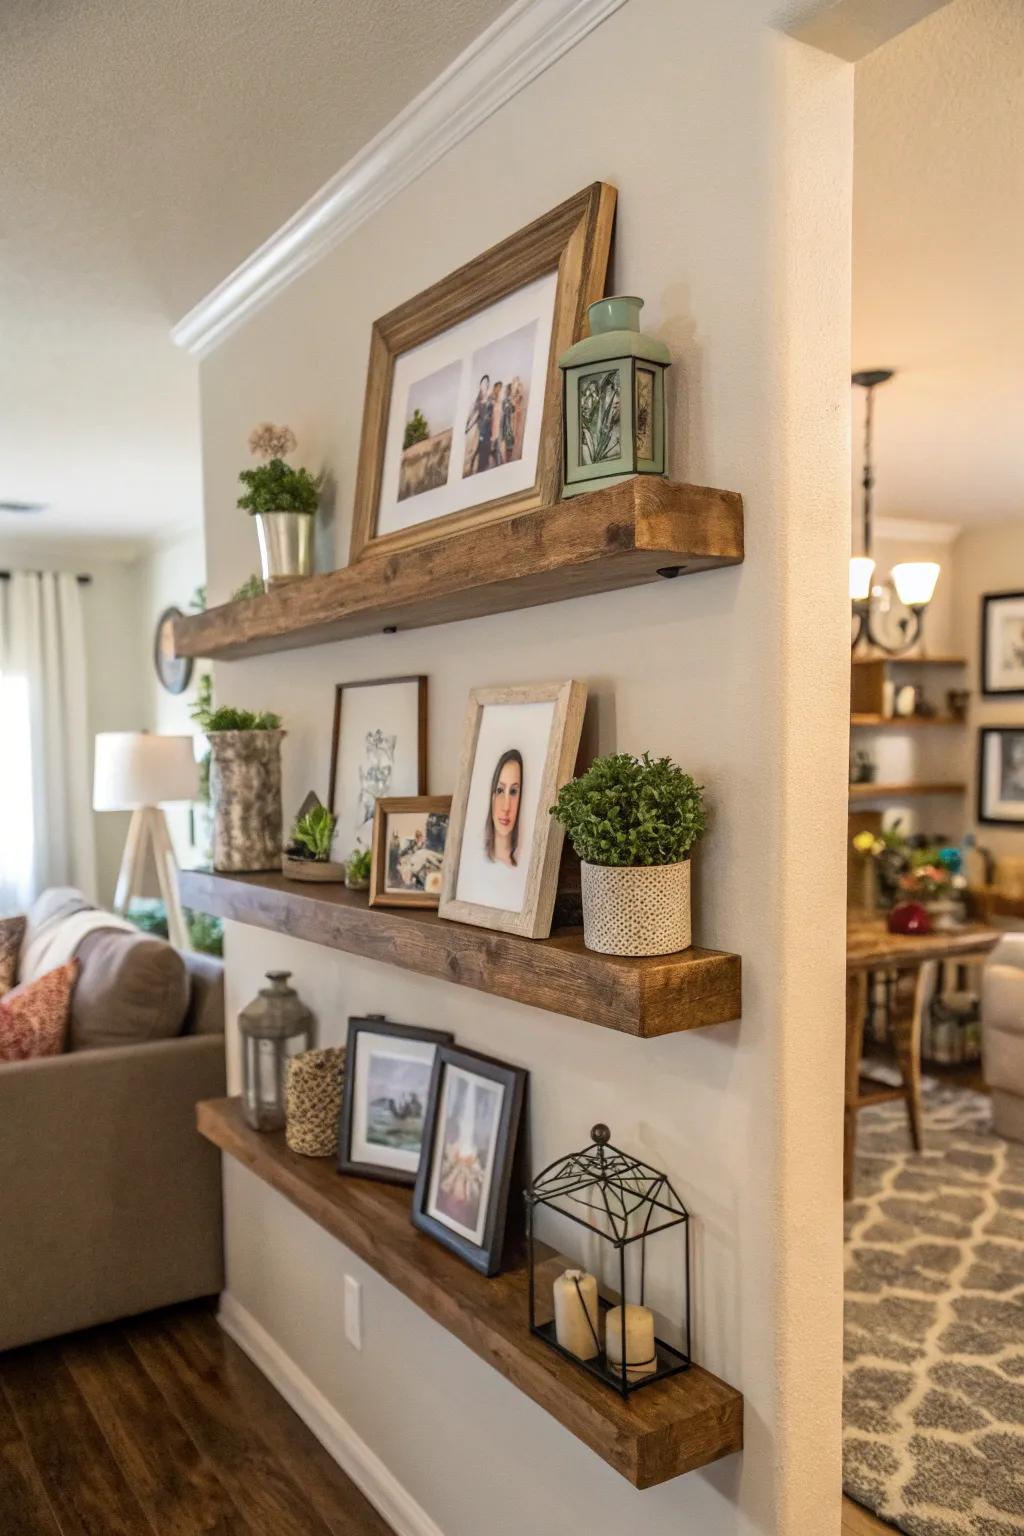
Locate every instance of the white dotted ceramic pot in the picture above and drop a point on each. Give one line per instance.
(636, 911)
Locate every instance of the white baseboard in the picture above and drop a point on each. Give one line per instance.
(335, 1434)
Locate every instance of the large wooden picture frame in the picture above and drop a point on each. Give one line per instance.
(571, 243)
(520, 741)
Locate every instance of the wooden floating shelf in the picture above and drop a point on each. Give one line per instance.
(665, 1429)
(899, 791)
(898, 722)
(910, 661)
(647, 997)
(621, 536)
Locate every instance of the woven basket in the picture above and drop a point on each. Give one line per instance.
(636, 911)
(313, 1101)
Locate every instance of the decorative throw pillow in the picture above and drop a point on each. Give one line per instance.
(34, 1017)
(12, 931)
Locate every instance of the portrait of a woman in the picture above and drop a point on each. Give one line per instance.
(501, 830)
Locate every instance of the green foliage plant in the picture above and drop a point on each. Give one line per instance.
(314, 833)
(252, 586)
(358, 864)
(627, 811)
(277, 487)
(210, 720)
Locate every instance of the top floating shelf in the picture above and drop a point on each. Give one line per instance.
(910, 661)
(621, 536)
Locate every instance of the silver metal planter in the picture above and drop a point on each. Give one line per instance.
(245, 790)
(286, 545)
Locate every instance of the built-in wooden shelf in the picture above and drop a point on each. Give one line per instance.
(658, 996)
(902, 791)
(665, 1429)
(898, 722)
(909, 661)
(621, 536)
(988, 901)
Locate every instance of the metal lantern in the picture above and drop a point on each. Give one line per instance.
(613, 384)
(275, 1026)
(625, 1204)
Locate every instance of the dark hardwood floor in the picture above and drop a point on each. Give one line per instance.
(161, 1426)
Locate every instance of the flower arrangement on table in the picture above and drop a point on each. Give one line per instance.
(909, 869)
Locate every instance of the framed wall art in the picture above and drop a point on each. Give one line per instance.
(378, 747)
(469, 1151)
(462, 416)
(501, 862)
(1001, 775)
(409, 837)
(1002, 644)
(174, 671)
(385, 1094)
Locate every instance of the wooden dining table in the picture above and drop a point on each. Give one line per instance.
(871, 947)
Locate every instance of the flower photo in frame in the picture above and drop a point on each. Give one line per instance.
(501, 861)
(1001, 775)
(469, 1152)
(1002, 644)
(409, 837)
(385, 1098)
(378, 747)
(462, 418)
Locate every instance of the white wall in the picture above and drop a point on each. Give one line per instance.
(730, 146)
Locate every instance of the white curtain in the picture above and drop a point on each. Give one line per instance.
(46, 827)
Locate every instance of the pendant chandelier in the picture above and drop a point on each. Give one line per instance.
(888, 615)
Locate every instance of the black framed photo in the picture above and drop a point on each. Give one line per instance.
(1002, 644)
(469, 1152)
(388, 1073)
(1001, 775)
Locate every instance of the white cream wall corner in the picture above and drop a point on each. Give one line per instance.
(730, 146)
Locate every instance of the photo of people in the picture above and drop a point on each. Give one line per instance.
(415, 852)
(501, 828)
(496, 424)
(469, 1115)
(427, 435)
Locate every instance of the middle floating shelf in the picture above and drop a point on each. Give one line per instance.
(660, 995)
(900, 791)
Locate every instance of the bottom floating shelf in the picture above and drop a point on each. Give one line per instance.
(669, 1428)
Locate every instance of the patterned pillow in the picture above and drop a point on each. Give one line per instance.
(12, 931)
(34, 1017)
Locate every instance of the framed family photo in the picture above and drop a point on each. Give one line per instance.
(1001, 775)
(378, 747)
(385, 1095)
(1002, 644)
(501, 862)
(469, 1153)
(462, 416)
(409, 837)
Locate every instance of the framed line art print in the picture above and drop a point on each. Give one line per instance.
(469, 1150)
(1001, 775)
(1002, 644)
(378, 747)
(409, 837)
(501, 861)
(385, 1093)
(462, 422)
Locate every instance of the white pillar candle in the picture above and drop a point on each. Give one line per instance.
(576, 1314)
(640, 1352)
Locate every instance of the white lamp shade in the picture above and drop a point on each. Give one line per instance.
(861, 571)
(915, 582)
(135, 769)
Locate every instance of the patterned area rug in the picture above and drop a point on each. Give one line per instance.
(933, 1416)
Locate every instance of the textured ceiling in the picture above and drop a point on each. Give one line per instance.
(939, 262)
(148, 147)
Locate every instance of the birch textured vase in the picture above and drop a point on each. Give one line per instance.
(642, 910)
(245, 789)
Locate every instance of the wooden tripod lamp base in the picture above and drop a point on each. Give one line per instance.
(147, 833)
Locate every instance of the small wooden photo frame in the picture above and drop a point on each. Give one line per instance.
(470, 1141)
(410, 833)
(378, 747)
(385, 1098)
(501, 862)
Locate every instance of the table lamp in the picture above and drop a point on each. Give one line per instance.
(138, 772)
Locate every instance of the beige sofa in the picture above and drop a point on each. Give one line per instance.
(1002, 1022)
(110, 1202)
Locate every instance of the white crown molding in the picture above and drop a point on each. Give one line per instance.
(524, 41)
(909, 529)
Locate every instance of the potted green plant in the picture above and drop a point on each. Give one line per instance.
(283, 501)
(357, 869)
(308, 854)
(633, 822)
(245, 786)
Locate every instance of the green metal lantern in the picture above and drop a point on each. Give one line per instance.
(613, 400)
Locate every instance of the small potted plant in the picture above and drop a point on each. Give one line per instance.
(245, 786)
(308, 855)
(283, 501)
(357, 869)
(633, 822)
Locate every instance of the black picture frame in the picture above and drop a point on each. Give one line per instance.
(990, 600)
(985, 733)
(174, 672)
(486, 1256)
(374, 1024)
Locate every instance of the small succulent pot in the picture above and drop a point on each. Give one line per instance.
(323, 871)
(245, 792)
(313, 1101)
(286, 545)
(636, 910)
